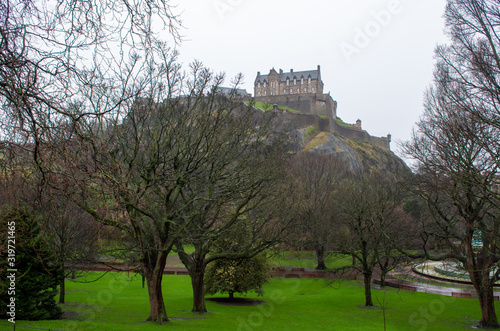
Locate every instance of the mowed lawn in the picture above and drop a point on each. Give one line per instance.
(307, 259)
(117, 302)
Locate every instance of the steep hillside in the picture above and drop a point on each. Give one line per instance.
(360, 155)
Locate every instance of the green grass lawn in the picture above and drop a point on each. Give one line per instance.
(306, 259)
(117, 302)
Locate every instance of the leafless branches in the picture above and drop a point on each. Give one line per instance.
(456, 146)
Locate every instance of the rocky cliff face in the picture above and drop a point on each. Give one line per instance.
(310, 135)
(361, 156)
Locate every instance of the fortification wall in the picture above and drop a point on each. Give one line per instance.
(300, 121)
(361, 135)
(318, 110)
(316, 104)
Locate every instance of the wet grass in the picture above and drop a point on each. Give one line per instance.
(117, 302)
(306, 259)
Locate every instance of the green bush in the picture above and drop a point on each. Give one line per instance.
(310, 132)
(237, 275)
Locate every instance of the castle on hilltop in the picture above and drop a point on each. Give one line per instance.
(286, 83)
(300, 90)
(303, 91)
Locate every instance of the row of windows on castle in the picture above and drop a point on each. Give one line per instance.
(273, 85)
(286, 90)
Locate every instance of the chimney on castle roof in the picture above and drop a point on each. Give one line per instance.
(318, 67)
(281, 71)
(258, 73)
(291, 70)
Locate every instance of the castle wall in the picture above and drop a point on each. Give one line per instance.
(361, 135)
(316, 104)
(300, 121)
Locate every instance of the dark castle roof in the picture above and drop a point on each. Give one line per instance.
(283, 76)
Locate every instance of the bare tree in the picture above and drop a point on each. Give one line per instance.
(72, 235)
(467, 70)
(69, 233)
(53, 51)
(455, 178)
(316, 179)
(400, 235)
(256, 219)
(456, 146)
(182, 157)
(370, 212)
(235, 184)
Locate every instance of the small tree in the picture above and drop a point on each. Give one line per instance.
(73, 237)
(38, 273)
(398, 237)
(237, 275)
(369, 211)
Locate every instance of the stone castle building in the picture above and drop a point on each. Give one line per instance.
(288, 83)
(303, 91)
(300, 90)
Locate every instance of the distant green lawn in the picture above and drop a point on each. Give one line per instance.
(306, 259)
(117, 302)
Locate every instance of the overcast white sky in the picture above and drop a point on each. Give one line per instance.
(376, 56)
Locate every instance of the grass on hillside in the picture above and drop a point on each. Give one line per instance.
(342, 123)
(264, 106)
(117, 302)
(319, 139)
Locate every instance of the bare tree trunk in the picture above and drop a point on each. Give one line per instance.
(382, 278)
(486, 301)
(62, 289)
(231, 295)
(197, 276)
(384, 268)
(320, 255)
(368, 291)
(62, 283)
(488, 315)
(154, 278)
(195, 264)
(479, 272)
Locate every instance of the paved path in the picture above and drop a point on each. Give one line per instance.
(410, 285)
(427, 288)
